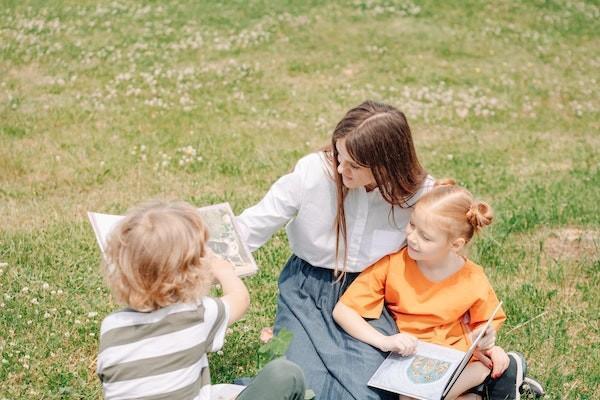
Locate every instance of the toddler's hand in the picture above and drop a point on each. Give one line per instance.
(401, 343)
(219, 267)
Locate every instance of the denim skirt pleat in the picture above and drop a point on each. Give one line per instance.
(336, 366)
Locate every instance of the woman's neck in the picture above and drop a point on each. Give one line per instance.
(370, 187)
(440, 269)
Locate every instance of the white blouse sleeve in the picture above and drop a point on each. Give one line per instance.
(281, 203)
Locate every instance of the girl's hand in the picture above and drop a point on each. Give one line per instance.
(401, 343)
(499, 359)
(488, 340)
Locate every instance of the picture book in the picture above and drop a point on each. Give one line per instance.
(430, 373)
(223, 236)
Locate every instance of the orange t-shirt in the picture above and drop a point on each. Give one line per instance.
(430, 311)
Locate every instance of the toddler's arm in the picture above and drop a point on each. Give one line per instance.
(360, 329)
(235, 293)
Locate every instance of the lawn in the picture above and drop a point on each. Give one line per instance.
(104, 105)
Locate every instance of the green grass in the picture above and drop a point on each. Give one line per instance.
(98, 102)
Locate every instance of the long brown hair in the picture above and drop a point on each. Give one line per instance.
(377, 137)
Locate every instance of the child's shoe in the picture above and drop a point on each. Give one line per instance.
(531, 389)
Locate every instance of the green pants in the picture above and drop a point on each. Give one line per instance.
(278, 380)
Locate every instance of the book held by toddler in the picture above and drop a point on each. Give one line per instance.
(223, 236)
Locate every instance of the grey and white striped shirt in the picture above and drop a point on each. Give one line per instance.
(161, 354)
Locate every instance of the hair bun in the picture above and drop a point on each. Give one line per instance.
(480, 215)
(445, 182)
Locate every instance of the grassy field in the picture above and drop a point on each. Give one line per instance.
(105, 105)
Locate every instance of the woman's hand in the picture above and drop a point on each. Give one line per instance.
(401, 343)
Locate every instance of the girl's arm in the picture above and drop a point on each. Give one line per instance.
(357, 327)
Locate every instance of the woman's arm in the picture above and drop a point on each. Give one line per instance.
(357, 327)
(281, 203)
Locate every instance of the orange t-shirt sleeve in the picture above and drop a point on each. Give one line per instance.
(484, 306)
(366, 295)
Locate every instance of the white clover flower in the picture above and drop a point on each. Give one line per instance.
(25, 290)
(34, 301)
(45, 286)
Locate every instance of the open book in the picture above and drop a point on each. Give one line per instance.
(223, 236)
(430, 373)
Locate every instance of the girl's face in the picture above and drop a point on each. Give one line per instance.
(424, 239)
(353, 175)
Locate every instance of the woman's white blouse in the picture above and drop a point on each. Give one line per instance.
(306, 200)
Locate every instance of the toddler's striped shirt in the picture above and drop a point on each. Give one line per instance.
(161, 354)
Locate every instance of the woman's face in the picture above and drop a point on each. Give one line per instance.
(353, 175)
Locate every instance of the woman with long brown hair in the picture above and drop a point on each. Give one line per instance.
(345, 208)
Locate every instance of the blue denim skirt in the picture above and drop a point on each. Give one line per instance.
(336, 366)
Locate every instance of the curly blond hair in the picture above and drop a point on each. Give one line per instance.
(154, 257)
